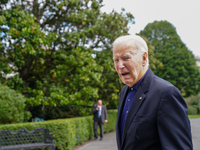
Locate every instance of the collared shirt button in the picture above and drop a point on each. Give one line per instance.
(129, 100)
(131, 88)
(127, 112)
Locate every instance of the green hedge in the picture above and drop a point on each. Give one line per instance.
(192, 110)
(68, 132)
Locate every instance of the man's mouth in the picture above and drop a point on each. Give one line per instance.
(124, 74)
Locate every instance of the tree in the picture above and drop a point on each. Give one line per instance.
(64, 42)
(45, 77)
(179, 66)
(67, 60)
(3, 2)
(23, 50)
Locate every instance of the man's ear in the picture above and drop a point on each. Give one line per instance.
(144, 58)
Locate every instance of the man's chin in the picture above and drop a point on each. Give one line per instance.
(130, 84)
(127, 83)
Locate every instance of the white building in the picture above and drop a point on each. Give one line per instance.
(197, 60)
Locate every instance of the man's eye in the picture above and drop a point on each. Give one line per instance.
(126, 58)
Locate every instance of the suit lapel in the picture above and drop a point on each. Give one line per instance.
(121, 102)
(137, 102)
(135, 105)
(120, 109)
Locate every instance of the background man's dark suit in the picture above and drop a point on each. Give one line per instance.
(99, 121)
(157, 118)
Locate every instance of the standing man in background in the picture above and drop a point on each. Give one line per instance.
(100, 116)
(152, 114)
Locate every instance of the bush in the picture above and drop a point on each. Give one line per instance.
(193, 100)
(192, 110)
(68, 132)
(197, 107)
(27, 116)
(11, 106)
(112, 111)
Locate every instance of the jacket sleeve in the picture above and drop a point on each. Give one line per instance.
(95, 109)
(173, 122)
(106, 115)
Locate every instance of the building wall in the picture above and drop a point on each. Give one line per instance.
(197, 60)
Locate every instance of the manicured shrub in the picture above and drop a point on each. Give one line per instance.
(197, 107)
(192, 110)
(112, 111)
(68, 132)
(11, 106)
(110, 125)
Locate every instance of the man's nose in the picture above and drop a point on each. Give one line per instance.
(121, 64)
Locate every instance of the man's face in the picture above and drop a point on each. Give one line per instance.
(128, 64)
(100, 102)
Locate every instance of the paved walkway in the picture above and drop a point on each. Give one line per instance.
(109, 141)
(195, 125)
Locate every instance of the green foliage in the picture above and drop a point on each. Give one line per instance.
(193, 100)
(154, 63)
(55, 55)
(11, 106)
(193, 116)
(64, 111)
(192, 110)
(112, 110)
(76, 79)
(178, 63)
(64, 58)
(4, 1)
(68, 132)
(27, 116)
(197, 108)
(111, 124)
(26, 49)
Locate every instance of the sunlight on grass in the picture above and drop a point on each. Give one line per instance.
(193, 116)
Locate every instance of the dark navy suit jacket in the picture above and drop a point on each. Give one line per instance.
(157, 118)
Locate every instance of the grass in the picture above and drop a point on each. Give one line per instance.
(193, 116)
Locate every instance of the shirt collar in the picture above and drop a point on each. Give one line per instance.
(136, 86)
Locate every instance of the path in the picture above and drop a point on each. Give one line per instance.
(195, 124)
(109, 141)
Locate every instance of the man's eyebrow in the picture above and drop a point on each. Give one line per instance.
(122, 56)
(125, 55)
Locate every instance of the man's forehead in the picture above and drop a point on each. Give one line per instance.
(124, 52)
(120, 46)
(125, 45)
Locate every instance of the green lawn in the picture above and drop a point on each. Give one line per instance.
(193, 116)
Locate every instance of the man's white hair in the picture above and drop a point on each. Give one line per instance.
(133, 41)
(99, 100)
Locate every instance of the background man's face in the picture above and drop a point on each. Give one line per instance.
(128, 64)
(100, 102)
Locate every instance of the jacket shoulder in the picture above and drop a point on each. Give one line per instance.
(161, 83)
(160, 86)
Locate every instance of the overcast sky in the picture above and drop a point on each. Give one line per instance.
(183, 14)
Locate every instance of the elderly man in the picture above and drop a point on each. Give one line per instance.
(100, 116)
(152, 114)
